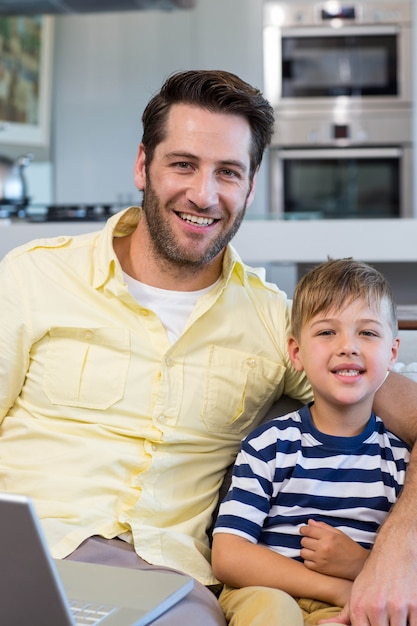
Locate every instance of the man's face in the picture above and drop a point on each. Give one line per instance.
(197, 187)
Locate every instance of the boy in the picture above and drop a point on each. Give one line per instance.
(311, 488)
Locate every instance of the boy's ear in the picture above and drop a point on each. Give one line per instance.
(394, 353)
(294, 354)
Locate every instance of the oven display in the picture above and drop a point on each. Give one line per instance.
(344, 13)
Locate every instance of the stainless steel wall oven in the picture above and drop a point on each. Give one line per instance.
(340, 183)
(339, 77)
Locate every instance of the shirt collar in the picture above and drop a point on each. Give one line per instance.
(106, 264)
(124, 223)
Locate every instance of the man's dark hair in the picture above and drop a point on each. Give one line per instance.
(217, 91)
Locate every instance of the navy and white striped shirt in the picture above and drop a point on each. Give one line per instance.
(288, 472)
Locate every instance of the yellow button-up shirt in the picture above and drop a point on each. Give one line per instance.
(105, 424)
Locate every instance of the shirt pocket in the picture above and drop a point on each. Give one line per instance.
(238, 384)
(86, 367)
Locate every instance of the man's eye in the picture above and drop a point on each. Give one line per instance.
(229, 173)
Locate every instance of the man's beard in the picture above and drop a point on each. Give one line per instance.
(165, 242)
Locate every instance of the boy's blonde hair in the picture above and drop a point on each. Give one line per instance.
(336, 283)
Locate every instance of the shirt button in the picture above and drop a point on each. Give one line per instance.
(162, 419)
(169, 362)
(251, 363)
(88, 334)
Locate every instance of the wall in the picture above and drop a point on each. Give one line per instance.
(414, 55)
(107, 66)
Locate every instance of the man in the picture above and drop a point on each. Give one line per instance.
(134, 360)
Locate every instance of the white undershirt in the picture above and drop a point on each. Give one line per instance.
(172, 307)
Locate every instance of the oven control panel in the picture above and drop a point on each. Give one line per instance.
(336, 14)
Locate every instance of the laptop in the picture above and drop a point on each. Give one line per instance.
(38, 590)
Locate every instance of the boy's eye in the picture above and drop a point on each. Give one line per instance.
(326, 332)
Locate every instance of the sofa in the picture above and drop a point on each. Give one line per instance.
(407, 359)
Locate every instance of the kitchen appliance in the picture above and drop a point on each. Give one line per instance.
(361, 167)
(341, 183)
(96, 212)
(339, 77)
(318, 52)
(13, 187)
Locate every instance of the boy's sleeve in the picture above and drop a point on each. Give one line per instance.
(247, 503)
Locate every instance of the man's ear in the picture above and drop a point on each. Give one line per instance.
(139, 174)
(294, 354)
(251, 193)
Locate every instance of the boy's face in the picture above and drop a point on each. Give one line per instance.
(346, 354)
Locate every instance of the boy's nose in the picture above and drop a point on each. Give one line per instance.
(348, 346)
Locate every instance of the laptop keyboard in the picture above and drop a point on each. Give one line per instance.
(88, 614)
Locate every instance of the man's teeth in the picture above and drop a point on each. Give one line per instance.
(194, 219)
(348, 372)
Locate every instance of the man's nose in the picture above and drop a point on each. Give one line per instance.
(203, 190)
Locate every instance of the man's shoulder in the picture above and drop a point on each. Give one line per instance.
(252, 279)
(68, 241)
(51, 244)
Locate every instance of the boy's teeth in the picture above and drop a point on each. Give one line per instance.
(203, 221)
(348, 372)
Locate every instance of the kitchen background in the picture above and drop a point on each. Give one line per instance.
(106, 66)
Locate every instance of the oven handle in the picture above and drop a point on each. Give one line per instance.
(345, 31)
(340, 153)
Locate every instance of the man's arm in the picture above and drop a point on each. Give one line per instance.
(396, 403)
(15, 341)
(385, 592)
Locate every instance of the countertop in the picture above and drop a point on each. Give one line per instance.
(262, 241)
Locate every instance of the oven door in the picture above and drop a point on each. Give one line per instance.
(334, 183)
(316, 65)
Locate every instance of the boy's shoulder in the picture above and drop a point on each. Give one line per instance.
(274, 427)
(392, 437)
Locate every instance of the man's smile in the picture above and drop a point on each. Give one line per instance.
(195, 219)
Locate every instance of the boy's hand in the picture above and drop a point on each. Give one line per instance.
(330, 551)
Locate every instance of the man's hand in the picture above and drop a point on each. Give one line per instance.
(342, 618)
(330, 551)
(385, 592)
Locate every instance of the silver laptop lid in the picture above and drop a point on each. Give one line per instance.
(29, 578)
(33, 592)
